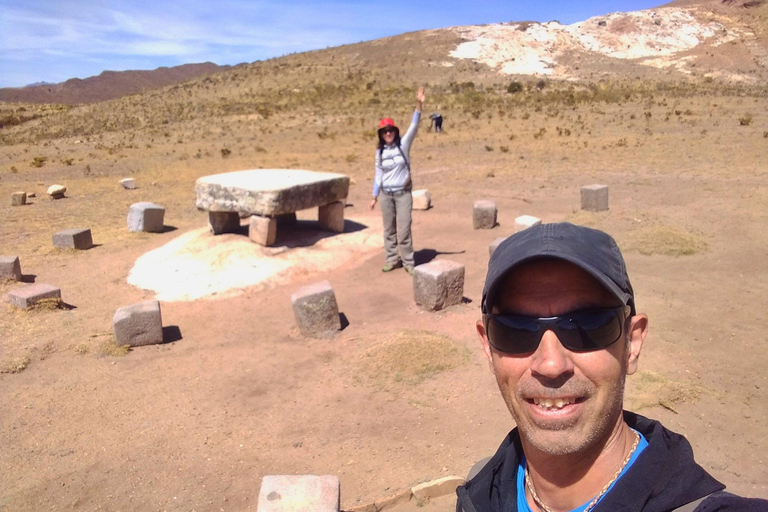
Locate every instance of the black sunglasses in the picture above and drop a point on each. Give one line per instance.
(387, 130)
(581, 331)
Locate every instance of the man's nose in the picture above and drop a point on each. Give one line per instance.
(551, 359)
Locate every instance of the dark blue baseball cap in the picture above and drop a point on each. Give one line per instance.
(594, 251)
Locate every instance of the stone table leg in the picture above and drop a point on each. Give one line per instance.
(223, 222)
(331, 216)
(263, 230)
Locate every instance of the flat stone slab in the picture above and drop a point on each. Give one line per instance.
(27, 296)
(299, 493)
(436, 488)
(128, 183)
(138, 324)
(269, 192)
(79, 239)
(526, 221)
(10, 268)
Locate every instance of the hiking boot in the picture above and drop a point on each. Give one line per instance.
(409, 269)
(389, 267)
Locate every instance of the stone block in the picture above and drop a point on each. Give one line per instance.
(80, 239)
(10, 268)
(421, 199)
(594, 198)
(331, 216)
(269, 192)
(316, 311)
(27, 296)
(299, 493)
(436, 488)
(57, 191)
(484, 214)
(18, 199)
(223, 222)
(526, 221)
(146, 217)
(128, 183)
(263, 230)
(438, 284)
(492, 247)
(139, 324)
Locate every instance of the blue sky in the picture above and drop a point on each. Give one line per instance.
(53, 40)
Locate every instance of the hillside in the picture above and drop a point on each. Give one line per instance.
(108, 85)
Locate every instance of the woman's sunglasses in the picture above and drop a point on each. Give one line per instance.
(388, 130)
(581, 331)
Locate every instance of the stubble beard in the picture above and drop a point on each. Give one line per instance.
(568, 437)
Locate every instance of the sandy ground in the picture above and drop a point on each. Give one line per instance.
(237, 393)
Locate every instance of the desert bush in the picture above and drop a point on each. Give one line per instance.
(515, 87)
(38, 161)
(504, 149)
(746, 120)
(225, 152)
(14, 170)
(542, 131)
(68, 161)
(488, 148)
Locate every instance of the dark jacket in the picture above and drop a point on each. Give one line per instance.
(663, 478)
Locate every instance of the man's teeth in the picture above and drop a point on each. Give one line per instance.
(549, 403)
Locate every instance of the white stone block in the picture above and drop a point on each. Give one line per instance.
(594, 198)
(438, 284)
(526, 221)
(299, 493)
(422, 200)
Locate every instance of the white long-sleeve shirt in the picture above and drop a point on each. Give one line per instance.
(392, 164)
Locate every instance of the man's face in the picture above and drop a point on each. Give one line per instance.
(562, 401)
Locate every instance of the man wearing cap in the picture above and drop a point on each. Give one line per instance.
(561, 333)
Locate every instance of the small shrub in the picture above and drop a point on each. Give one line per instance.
(765, 136)
(38, 161)
(746, 120)
(260, 149)
(622, 143)
(525, 116)
(350, 158)
(514, 87)
(504, 149)
(225, 152)
(14, 170)
(68, 161)
(15, 365)
(488, 148)
(542, 131)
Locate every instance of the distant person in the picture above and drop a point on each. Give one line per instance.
(437, 122)
(392, 182)
(561, 334)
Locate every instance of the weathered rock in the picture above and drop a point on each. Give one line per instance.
(18, 199)
(438, 284)
(331, 216)
(146, 217)
(526, 221)
(80, 239)
(484, 214)
(421, 199)
(263, 230)
(10, 268)
(316, 310)
(128, 183)
(594, 198)
(436, 488)
(223, 222)
(57, 191)
(299, 493)
(393, 500)
(138, 324)
(27, 296)
(269, 192)
(492, 247)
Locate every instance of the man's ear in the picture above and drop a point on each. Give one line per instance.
(484, 340)
(638, 329)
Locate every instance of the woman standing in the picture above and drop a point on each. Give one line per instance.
(393, 182)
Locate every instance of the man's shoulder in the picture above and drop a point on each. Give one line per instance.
(723, 501)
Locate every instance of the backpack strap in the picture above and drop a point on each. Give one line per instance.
(464, 503)
(690, 507)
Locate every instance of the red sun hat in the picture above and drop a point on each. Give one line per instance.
(386, 123)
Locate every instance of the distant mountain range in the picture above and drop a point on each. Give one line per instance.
(108, 85)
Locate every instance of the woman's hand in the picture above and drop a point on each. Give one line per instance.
(420, 97)
(372, 204)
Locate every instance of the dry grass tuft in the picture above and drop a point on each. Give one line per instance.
(111, 348)
(649, 389)
(410, 357)
(666, 240)
(49, 304)
(15, 365)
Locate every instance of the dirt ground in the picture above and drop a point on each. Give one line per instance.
(195, 423)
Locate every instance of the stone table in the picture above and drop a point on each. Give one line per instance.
(268, 195)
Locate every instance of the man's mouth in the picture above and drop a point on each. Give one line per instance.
(553, 403)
